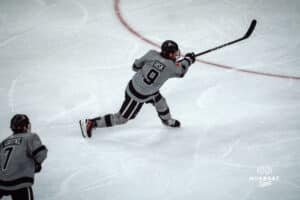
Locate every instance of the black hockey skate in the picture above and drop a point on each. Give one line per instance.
(86, 127)
(171, 123)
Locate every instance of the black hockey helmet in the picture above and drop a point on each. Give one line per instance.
(169, 46)
(19, 123)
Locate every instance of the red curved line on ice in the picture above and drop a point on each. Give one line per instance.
(137, 34)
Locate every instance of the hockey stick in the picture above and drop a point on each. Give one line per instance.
(248, 33)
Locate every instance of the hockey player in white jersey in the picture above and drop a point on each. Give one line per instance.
(21, 156)
(152, 71)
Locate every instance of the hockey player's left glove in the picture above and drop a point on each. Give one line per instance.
(37, 167)
(191, 57)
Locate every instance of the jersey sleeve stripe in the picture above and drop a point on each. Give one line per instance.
(136, 68)
(41, 148)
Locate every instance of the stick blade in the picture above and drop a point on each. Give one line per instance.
(251, 29)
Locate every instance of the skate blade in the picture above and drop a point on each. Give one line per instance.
(81, 124)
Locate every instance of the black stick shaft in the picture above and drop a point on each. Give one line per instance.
(248, 33)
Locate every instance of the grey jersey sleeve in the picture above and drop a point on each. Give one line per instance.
(36, 149)
(140, 62)
(182, 67)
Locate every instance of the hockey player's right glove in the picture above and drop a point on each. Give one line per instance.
(190, 57)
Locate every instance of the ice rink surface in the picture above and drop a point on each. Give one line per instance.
(64, 60)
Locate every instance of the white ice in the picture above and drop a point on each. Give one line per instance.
(65, 60)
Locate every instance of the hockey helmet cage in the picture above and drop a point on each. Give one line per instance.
(19, 123)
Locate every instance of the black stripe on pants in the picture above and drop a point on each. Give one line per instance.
(125, 103)
(138, 108)
(130, 107)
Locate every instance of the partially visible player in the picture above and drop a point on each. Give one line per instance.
(152, 71)
(21, 156)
